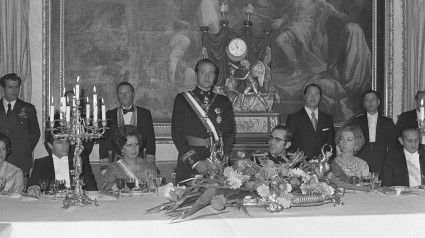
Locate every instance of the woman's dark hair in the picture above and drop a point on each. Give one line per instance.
(128, 130)
(7, 143)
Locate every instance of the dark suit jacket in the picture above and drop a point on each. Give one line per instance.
(384, 141)
(144, 124)
(396, 173)
(44, 169)
(23, 131)
(305, 137)
(408, 118)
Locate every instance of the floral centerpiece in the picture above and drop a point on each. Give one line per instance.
(274, 186)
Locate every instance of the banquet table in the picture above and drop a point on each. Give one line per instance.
(363, 215)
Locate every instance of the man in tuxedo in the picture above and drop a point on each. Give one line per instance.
(192, 134)
(60, 165)
(410, 118)
(18, 121)
(126, 114)
(405, 166)
(378, 130)
(311, 128)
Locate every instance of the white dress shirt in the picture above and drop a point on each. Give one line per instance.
(372, 120)
(316, 113)
(127, 116)
(414, 168)
(5, 104)
(62, 169)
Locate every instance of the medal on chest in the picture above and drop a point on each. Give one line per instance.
(218, 118)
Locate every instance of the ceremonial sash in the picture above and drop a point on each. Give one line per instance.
(128, 171)
(201, 114)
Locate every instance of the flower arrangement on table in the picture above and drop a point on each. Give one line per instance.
(274, 186)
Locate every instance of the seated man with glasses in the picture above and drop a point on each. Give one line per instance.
(280, 140)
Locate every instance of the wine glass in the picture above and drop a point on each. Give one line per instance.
(54, 189)
(2, 183)
(173, 175)
(120, 182)
(61, 186)
(157, 182)
(131, 183)
(44, 185)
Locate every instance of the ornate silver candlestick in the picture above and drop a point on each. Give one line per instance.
(75, 129)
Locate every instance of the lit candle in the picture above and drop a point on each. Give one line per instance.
(73, 99)
(103, 111)
(52, 111)
(94, 105)
(68, 113)
(88, 110)
(60, 111)
(422, 110)
(77, 88)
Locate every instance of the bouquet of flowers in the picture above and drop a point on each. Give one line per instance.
(275, 186)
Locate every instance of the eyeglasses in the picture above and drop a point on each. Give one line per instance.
(277, 139)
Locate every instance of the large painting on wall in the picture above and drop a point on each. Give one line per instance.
(154, 44)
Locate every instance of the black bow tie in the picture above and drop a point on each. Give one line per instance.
(125, 111)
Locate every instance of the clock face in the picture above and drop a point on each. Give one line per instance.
(237, 47)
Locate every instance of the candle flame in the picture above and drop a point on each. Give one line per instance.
(78, 79)
(94, 89)
(103, 101)
(422, 102)
(87, 99)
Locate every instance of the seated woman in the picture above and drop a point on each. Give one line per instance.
(128, 139)
(350, 140)
(14, 176)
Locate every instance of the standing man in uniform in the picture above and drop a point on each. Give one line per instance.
(310, 127)
(378, 130)
(18, 121)
(126, 114)
(200, 116)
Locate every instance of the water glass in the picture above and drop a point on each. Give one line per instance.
(157, 182)
(131, 184)
(120, 182)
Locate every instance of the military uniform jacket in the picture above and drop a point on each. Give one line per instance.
(23, 131)
(185, 122)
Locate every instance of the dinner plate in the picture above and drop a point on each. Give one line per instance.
(402, 189)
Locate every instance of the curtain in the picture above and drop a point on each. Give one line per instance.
(14, 43)
(416, 55)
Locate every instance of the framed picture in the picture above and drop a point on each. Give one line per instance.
(155, 44)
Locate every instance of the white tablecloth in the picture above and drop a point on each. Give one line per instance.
(363, 215)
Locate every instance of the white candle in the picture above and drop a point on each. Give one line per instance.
(52, 111)
(68, 113)
(77, 88)
(422, 110)
(60, 111)
(95, 111)
(88, 110)
(103, 111)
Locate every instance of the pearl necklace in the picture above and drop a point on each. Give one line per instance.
(350, 166)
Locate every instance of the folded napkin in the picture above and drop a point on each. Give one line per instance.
(9, 195)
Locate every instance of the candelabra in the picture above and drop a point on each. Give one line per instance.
(76, 129)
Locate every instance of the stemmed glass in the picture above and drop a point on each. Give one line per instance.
(120, 182)
(157, 182)
(61, 186)
(44, 185)
(2, 183)
(131, 183)
(54, 189)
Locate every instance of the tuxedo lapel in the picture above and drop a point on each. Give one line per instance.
(422, 162)
(2, 111)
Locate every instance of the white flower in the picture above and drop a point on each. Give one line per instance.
(227, 171)
(298, 172)
(285, 201)
(165, 190)
(263, 190)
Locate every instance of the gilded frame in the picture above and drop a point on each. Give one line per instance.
(53, 77)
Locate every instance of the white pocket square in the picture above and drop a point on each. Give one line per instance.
(325, 129)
